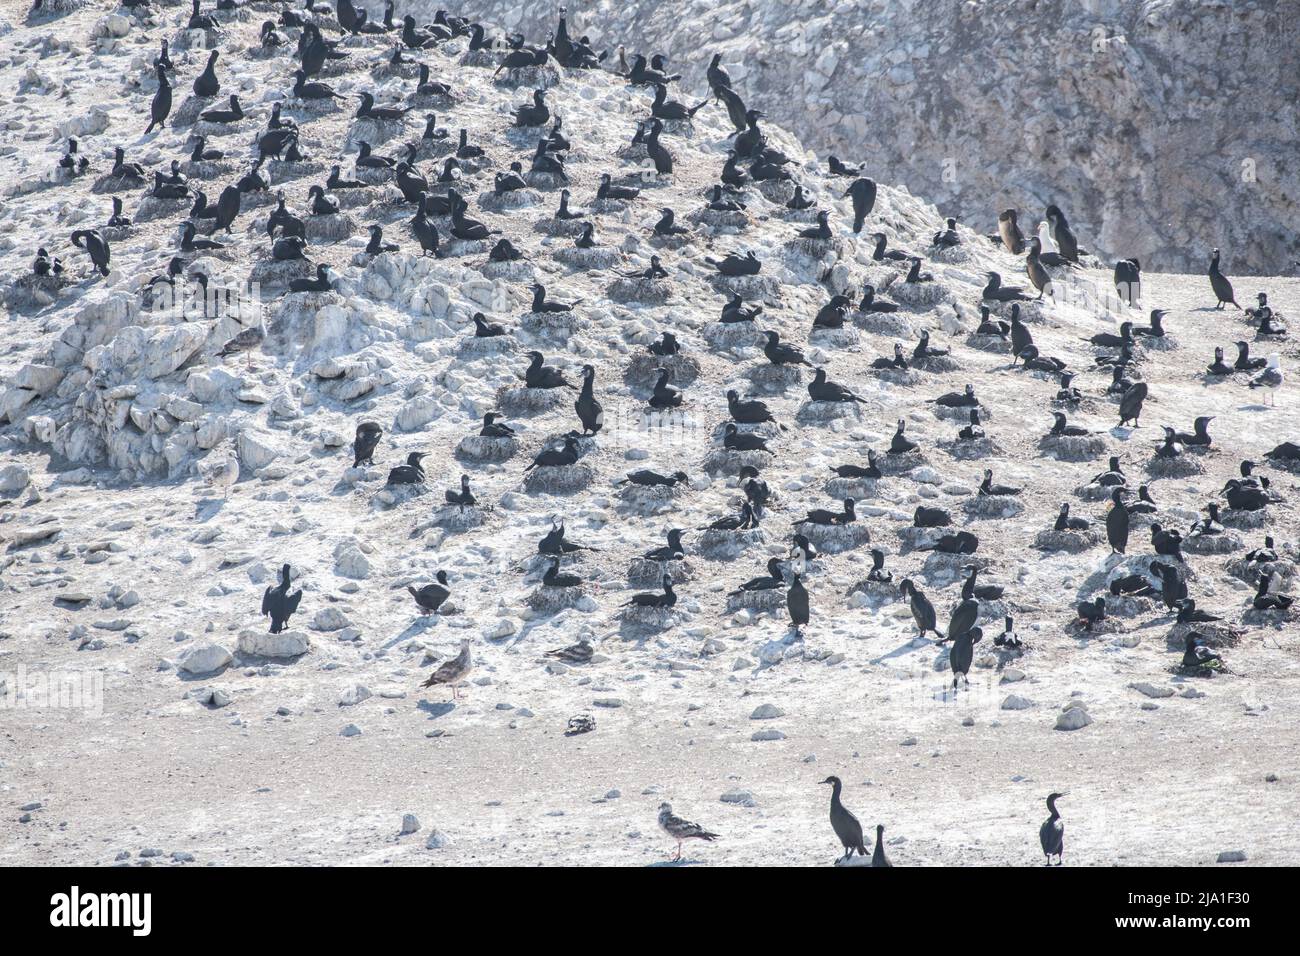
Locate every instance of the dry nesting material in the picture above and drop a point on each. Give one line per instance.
(457, 518)
(993, 506)
(282, 171)
(598, 258)
(551, 600)
(644, 573)
(749, 288)
(918, 294)
(855, 488)
(733, 335)
(518, 270)
(988, 343)
(1071, 542)
(729, 461)
(1183, 466)
(834, 339)
(769, 379)
(551, 325)
(558, 479)
(275, 272)
(1073, 447)
(810, 412)
(767, 601)
(900, 464)
(973, 449)
(717, 545)
(151, 207)
(486, 449)
(1222, 543)
(884, 323)
(650, 618)
(642, 371)
(836, 538)
(649, 499)
(514, 199)
(520, 401)
(640, 290)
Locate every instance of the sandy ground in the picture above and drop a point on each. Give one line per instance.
(270, 777)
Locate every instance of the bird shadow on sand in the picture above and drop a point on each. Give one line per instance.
(902, 650)
(673, 864)
(205, 509)
(414, 629)
(1256, 408)
(436, 709)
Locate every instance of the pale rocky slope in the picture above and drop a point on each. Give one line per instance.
(120, 561)
(1165, 127)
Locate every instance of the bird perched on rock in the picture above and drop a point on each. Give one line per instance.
(278, 604)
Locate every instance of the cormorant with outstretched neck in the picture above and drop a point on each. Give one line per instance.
(900, 444)
(590, 412)
(647, 478)
(161, 107)
(1051, 835)
(554, 542)
(844, 823)
(278, 604)
(1220, 284)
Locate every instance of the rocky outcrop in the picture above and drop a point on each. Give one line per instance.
(1163, 127)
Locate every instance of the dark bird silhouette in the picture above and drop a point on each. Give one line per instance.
(278, 604)
(844, 823)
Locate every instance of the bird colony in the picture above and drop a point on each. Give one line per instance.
(431, 446)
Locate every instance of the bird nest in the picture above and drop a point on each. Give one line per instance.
(394, 496)
(768, 601)
(940, 566)
(546, 181)
(520, 400)
(458, 248)
(276, 272)
(474, 347)
(205, 169)
(650, 499)
(1071, 542)
(729, 221)
(834, 339)
(988, 343)
(960, 413)
(749, 288)
(552, 600)
(973, 449)
(1271, 617)
(282, 171)
(353, 198)
(672, 242)
(950, 254)
(558, 479)
(1093, 492)
(1128, 605)
(151, 208)
(1251, 571)
(650, 618)
(186, 39)
(209, 130)
(434, 149)
(332, 228)
(769, 379)
(900, 464)
(877, 592)
(936, 363)
(836, 538)
(1182, 466)
(632, 152)
(904, 377)
(320, 106)
(59, 7)
(1224, 542)
(883, 323)
(457, 518)
(1073, 447)
(551, 325)
(1161, 343)
(514, 199)
(818, 250)
(993, 506)
(108, 183)
(1213, 634)
(640, 291)
(733, 335)
(190, 108)
(611, 207)
(117, 233)
(855, 488)
(542, 77)
(596, 259)
(642, 371)
(812, 411)
(481, 58)
(519, 270)
(375, 131)
(1286, 464)
(1110, 624)
(915, 539)
(560, 227)
(31, 291)
(1248, 520)
(778, 191)
(729, 461)
(644, 573)
(486, 449)
(434, 101)
(719, 545)
(918, 294)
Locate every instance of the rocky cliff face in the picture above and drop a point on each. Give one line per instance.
(1165, 127)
